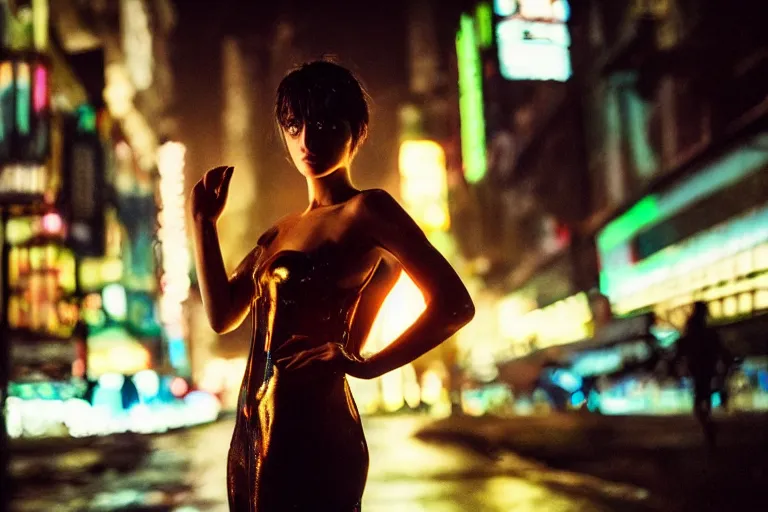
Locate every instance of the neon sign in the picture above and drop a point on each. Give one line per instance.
(533, 40)
(471, 101)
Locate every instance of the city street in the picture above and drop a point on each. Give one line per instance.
(184, 472)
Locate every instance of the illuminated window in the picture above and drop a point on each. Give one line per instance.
(424, 183)
(746, 304)
(761, 257)
(730, 307)
(41, 281)
(761, 300)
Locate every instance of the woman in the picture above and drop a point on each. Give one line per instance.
(298, 442)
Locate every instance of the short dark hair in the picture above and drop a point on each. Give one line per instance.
(322, 89)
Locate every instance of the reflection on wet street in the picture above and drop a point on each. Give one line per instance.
(185, 472)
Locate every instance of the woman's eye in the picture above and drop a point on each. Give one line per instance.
(293, 129)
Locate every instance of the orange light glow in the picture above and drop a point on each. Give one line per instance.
(404, 304)
(424, 184)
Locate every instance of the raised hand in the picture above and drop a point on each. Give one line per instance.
(209, 195)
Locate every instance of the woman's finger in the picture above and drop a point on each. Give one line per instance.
(213, 178)
(293, 345)
(224, 188)
(301, 362)
(299, 355)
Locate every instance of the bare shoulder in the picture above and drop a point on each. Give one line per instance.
(375, 205)
(382, 220)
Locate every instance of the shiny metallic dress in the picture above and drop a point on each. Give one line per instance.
(298, 443)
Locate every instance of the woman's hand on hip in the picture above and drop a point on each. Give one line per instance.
(333, 356)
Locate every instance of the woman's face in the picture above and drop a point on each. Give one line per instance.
(318, 148)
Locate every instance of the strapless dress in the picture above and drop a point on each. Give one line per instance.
(298, 443)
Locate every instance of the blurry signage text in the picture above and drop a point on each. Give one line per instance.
(84, 186)
(533, 40)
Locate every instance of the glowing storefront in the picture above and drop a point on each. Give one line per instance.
(703, 239)
(38, 294)
(42, 309)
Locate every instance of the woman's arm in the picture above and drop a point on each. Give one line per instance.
(448, 304)
(226, 300)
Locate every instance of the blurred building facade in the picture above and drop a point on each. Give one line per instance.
(114, 285)
(524, 176)
(602, 159)
(38, 307)
(678, 111)
(677, 136)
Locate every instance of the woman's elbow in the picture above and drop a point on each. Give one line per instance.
(458, 311)
(218, 323)
(217, 326)
(464, 312)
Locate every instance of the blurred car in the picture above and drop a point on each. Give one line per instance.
(630, 351)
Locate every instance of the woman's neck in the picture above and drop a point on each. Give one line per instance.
(332, 189)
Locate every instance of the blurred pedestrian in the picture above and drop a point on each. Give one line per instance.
(702, 350)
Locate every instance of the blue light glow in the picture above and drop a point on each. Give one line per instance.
(567, 380)
(177, 352)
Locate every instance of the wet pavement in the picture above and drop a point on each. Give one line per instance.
(185, 472)
(665, 454)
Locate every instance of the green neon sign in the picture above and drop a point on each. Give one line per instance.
(643, 213)
(471, 101)
(727, 170)
(484, 20)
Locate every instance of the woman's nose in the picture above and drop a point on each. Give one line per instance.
(311, 138)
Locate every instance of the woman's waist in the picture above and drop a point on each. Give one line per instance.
(307, 382)
(303, 394)
(313, 331)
